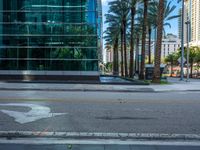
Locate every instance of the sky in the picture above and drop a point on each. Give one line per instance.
(174, 22)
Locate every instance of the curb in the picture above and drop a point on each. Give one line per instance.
(137, 90)
(161, 91)
(130, 83)
(89, 135)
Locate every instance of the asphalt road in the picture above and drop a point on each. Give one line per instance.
(170, 113)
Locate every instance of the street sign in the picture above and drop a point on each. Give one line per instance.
(37, 112)
(184, 60)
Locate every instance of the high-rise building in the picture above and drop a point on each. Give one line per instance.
(187, 14)
(192, 12)
(50, 37)
(195, 22)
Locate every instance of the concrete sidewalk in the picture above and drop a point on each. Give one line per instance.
(60, 144)
(98, 141)
(174, 86)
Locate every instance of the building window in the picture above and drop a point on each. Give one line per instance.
(50, 35)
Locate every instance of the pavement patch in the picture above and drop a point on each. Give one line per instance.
(124, 118)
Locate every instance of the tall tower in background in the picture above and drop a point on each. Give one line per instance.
(186, 14)
(195, 22)
(192, 10)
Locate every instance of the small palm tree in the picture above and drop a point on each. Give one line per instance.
(193, 58)
(172, 59)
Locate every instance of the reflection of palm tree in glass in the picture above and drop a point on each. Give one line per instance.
(52, 23)
(74, 55)
(28, 50)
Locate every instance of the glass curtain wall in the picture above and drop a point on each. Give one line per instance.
(52, 35)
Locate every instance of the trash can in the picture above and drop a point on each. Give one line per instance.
(149, 71)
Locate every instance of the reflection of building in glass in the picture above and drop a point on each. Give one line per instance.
(50, 35)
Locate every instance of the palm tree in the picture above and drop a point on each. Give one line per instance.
(172, 59)
(124, 12)
(160, 20)
(144, 32)
(150, 32)
(198, 60)
(112, 39)
(138, 35)
(132, 5)
(193, 57)
(153, 15)
(151, 24)
(119, 9)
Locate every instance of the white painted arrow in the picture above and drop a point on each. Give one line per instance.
(37, 112)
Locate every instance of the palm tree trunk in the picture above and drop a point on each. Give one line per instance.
(132, 43)
(137, 55)
(115, 59)
(117, 55)
(122, 53)
(172, 65)
(150, 45)
(125, 49)
(144, 32)
(191, 70)
(157, 74)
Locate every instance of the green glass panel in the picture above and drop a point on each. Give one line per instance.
(49, 35)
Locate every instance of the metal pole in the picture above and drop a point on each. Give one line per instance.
(182, 42)
(188, 49)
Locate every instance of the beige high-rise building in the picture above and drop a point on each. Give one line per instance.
(195, 22)
(192, 10)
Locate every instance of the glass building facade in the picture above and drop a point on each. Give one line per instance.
(50, 35)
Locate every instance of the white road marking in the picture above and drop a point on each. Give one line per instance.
(37, 112)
